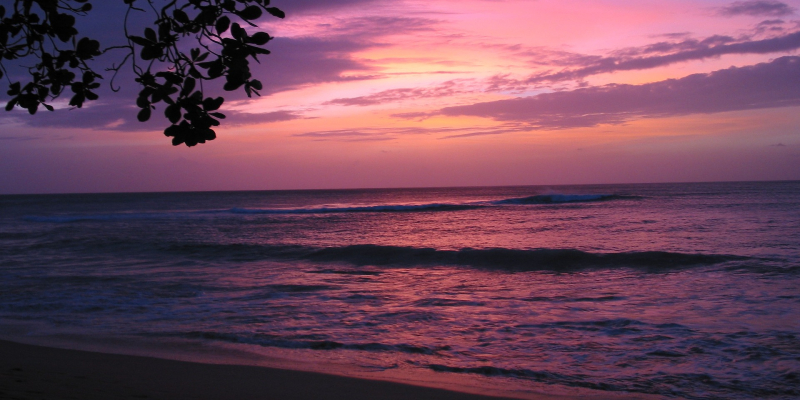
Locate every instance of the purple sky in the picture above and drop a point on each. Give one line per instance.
(363, 93)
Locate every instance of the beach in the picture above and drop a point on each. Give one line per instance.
(612, 291)
(35, 372)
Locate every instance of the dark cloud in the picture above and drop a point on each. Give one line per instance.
(19, 138)
(417, 115)
(240, 118)
(294, 63)
(297, 62)
(294, 7)
(765, 85)
(687, 50)
(382, 134)
(112, 113)
(445, 89)
(673, 35)
(767, 8)
(370, 28)
(118, 114)
(361, 135)
(770, 26)
(505, 129)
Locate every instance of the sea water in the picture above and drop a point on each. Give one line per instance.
(679, 290)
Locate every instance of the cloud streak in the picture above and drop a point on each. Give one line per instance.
(384, 134)
(446, 89)
(756, 8)
(118, 115)
(765, 85)
(688, 50)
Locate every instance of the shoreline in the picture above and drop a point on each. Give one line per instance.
(35, 372)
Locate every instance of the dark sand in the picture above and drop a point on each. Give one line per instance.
(34, 372)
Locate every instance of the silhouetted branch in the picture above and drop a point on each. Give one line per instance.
(170, 74)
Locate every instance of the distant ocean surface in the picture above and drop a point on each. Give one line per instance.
(679, 290)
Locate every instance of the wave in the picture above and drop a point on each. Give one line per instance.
(564, 198)
(95, 217)
(356, 209)
(515, 259)
(312, 343)
(491, 258)
(376, 208)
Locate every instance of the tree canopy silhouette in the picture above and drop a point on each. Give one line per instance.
(187, 43)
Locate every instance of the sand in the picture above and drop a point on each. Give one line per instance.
(34, 372)
(29, 372)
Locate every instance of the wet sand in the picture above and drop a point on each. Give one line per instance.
(35, 372)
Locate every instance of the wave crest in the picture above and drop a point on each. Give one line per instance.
(564, 198)
(372, 208)
(490, 258)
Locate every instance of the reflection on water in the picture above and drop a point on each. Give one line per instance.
(678, 290)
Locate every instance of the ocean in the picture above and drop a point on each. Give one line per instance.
(687, 290)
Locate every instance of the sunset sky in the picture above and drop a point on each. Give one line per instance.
(412, 93)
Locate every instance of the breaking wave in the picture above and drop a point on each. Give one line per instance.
(312, 343)
(366, 209)
(375, 208)
(564, 198)
(492, 258)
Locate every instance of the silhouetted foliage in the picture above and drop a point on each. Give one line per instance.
(168, 70)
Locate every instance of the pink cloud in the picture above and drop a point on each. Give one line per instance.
(770, 8)
(445, 89)
(766, 85)
(686, 50)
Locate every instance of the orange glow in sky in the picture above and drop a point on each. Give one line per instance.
(472, 92)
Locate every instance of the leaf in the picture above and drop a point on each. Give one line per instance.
(172, 130)
(260, 38)
(62, 21)
(173, 113)
(233, 85)
(163, 32)
(77, 100)
(48, 107)
(180, 16)
(14, 89)
(142, 102)
(250, 13)
(237, 32)
(144, 114)
(210, 104)
(150, 34)
(170, 77)
(276, 12)
(222, 24)
(151, 52)
(87, 48)
(140, 40)
(188, 86)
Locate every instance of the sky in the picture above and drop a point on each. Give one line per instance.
(413, 93)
